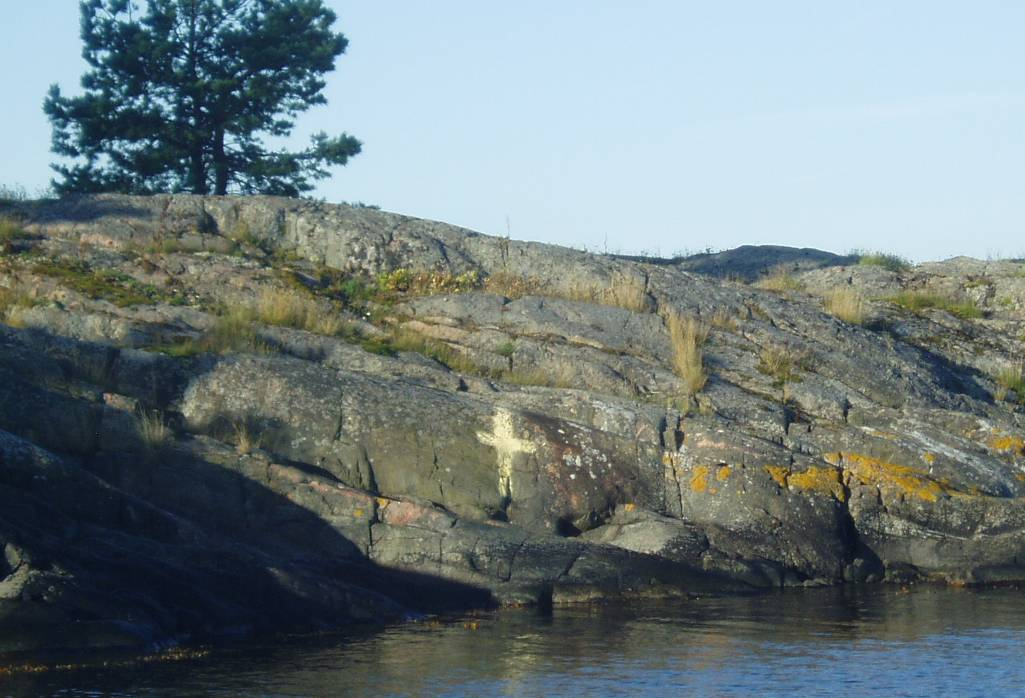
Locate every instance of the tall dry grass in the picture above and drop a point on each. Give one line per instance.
(846, 304)
(687, 335)
(628, 291)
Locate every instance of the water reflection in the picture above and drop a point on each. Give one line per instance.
(828, 641)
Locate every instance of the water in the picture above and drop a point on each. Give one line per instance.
(927, 641)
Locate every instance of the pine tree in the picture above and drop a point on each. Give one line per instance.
(181, 95)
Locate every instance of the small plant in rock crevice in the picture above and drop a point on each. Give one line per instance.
(1010, 378)
(687, 336)
(153, 430)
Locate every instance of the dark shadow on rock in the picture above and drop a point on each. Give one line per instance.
(950, 376)
(113, 544)
(78, 208)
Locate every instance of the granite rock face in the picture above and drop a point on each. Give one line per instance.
(451, 420)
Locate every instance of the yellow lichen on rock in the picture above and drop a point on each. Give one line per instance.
(883, 474)
(699, 480)
(929, 458)
(1008, 443)
(778, 473)
(825, 481)
(723, 473)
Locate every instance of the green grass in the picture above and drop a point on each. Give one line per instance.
(890, 262)
(1010, 378)
(103, 284)
(233, 332)
(917, 301)
(506, 349)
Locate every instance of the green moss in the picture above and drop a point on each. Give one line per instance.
(103, 284)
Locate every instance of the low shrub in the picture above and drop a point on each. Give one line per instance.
(890, 262)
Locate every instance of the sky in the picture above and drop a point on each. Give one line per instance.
(648, 126)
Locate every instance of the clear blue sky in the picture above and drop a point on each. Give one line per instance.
(652, 125)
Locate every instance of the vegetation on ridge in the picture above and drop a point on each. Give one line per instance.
(180, 96)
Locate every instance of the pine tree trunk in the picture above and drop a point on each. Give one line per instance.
(198, 170)
(220, 163)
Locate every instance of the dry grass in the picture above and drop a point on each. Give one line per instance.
(562, 376)
(724, 319)
(1008, 378)
(846, 304)
(153, 430)
(628, 291)
(291, 309)
(687, 336)
(779, 280)
(11, 233)
(781, 362)
(13, 304)
(245, 439)
(515, 286)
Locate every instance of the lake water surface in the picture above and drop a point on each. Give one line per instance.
(923, 641)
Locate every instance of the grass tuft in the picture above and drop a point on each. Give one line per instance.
(917, 301)
(779, 280)
(687, 336)
(845, 304)
(781, 362)
(246, 440)
(13, 303)
(153, 430)
(1010, 378)
(890, 262)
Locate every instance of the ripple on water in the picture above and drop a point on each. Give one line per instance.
(823, 641)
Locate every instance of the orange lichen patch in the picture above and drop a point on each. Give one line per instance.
(821, 480)
(668, 458)
(833, 458)
(778, 473)
(1020, 477)
(699, 480)
(629, 507)
(358, 513)
(882, 474)
(929, 458)
(723, 473)
(382, 502)
(1008, 443)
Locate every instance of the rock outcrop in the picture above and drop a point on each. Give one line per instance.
(220, 415)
